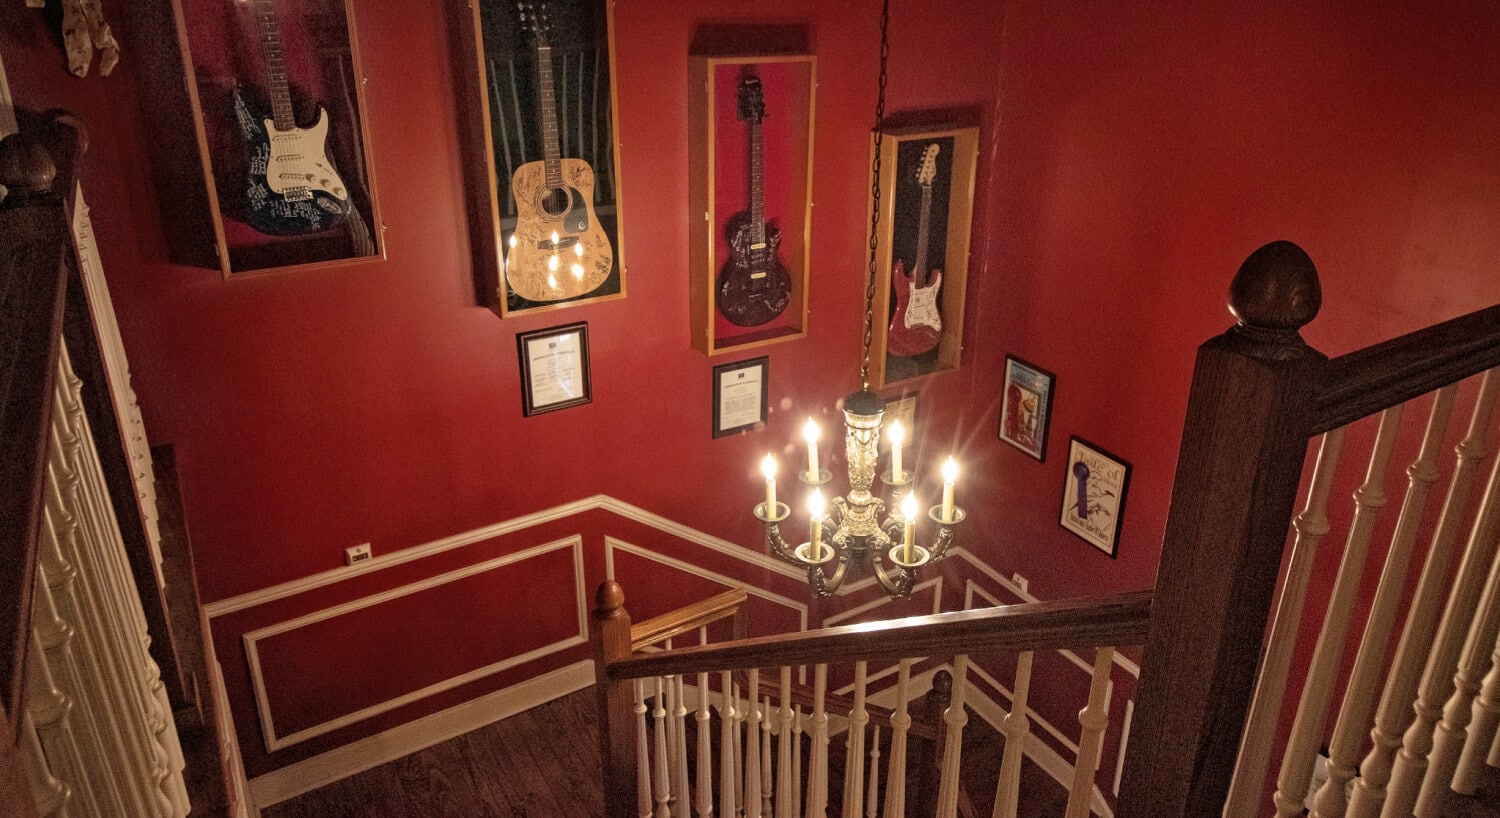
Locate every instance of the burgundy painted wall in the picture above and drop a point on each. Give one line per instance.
(1131, 160)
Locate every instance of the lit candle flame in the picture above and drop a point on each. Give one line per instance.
(810, 431)
(897, 434)
(950, 471)
(768, 467)
(816, 505)
(909, 507)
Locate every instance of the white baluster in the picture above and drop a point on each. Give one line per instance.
(1362, 688)
(1392, 716)
(59, 754)
(895, 783)
(788, 796)
(663, 783)
(854, 757)
(1317, 690)
(1486, 721)
(1442, 661)
(1452, 732)
(872, 798)
(705, 752)
(1265, 710)
(954, 719)
(767, 791)
(680, 795)
(1017, 729)
(642, 754)
(1093, 718)
(728, 737)
(799, 801)
(817, 768)
(51, 795)
(752, 747)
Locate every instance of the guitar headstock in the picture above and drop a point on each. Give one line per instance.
(927, 170)
(534, 19)
(752, 104)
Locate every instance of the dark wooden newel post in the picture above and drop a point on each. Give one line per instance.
(1249, 417)
(616, 701)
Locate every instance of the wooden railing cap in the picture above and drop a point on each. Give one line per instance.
(610, 597)
(26, 169)
(1275, 293)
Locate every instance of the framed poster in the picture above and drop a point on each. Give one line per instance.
(740, 395)
(922, 251)
(1026, 406)
(1093, 501)
(536, 124)
(554, 368)
(278, 103)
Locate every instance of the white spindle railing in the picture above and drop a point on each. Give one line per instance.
(1093, 719)
(52, 795)
(817, 768)
(705, 802)
(663, 784)
(785, 804)
(1317, 690)
(767, 784)
(872, 795)
(1486, 723)
(644, 803)
(680, 795)
(752, 747)
(728, 739)
(1362, 688)
(954, 719)
(1394, 713)
(1017, 729)
(1260, 727)
(895, 785)
(854, 757)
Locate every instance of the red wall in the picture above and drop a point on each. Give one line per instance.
(1131, 160)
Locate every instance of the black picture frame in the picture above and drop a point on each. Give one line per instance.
(550, 382)
(1026, 407)
(742, 370)
(1104, 476)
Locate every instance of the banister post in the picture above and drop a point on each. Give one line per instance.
(611, 636)
(1250, 414)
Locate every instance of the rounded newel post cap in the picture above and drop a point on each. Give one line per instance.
(610, 596)
(1276, 290)
(26, 169)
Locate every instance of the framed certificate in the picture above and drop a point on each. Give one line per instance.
(740, 391)
(554, 368)
(1093, 501)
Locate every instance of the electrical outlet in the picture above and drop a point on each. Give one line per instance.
(1020, 581)
(358, 553)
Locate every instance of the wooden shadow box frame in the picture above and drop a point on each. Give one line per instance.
(950, 217)
(499, 128)
(718, 174)
(229, 91)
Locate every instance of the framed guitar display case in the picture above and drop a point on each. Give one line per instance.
(922, 252)
(535, 81)
(750, 121)
(278, 106)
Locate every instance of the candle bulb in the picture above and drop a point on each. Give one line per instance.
(810, 434)
(815, 508)
(909, 511)
(898, 436)
(768, 468)
(950, 476)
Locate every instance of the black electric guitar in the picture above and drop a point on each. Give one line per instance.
(292, 187)
(754, 286)
(559, 249)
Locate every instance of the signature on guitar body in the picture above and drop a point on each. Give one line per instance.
(754, 286)
(917, 326)
(292, 187)
(559, 250)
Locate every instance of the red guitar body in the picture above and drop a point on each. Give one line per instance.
(915, 340)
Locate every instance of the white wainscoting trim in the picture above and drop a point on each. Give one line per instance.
(275, 741)
(356, 757)
(971, 589)
(937, 602)
(612, 544)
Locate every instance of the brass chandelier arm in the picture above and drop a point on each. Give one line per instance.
(897, 588)
(825, 585)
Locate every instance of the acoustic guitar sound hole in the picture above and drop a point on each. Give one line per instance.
(555, 202)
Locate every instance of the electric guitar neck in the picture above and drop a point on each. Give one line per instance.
(754, 286)
(917, 326)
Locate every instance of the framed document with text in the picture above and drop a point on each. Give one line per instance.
(554, 368)
(1093, 502)
(740, 391)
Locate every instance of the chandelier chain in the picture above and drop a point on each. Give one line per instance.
(885, 52)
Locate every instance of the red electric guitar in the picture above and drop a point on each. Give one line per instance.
(917, 327)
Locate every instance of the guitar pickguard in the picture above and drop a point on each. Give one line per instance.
(922, 309)
(273, 204)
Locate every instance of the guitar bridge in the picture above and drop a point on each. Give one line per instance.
(297, 194)
(561, 244)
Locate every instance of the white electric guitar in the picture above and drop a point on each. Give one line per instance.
(917, 326)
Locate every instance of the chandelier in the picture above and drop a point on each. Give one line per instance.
(849, 532)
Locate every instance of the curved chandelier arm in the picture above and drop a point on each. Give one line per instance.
(779, 546)
(825, 585)
(898, 584)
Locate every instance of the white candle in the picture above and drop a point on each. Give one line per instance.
(898, 436)
(909, 511)
(950, 476)
(815, 508)
(810, 434)
(768, 468)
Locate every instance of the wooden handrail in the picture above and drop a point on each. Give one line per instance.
(1117, 619)
(1376, 378)
(689, 618)
(33, 240)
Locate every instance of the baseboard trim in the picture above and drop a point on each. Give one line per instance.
(356, 757)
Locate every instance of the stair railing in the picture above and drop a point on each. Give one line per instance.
(760, 768)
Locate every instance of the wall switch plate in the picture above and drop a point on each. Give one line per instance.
(1020, 581)
(358, 553)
